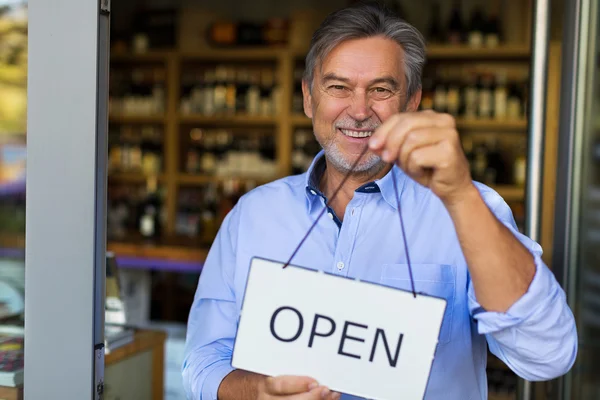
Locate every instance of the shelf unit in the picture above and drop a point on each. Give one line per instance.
(285, 122)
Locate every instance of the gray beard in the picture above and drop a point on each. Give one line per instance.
(369, 163)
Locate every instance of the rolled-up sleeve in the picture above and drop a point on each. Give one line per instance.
(212, 321)
(537, 336)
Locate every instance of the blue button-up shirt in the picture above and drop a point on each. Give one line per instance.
(536, 337)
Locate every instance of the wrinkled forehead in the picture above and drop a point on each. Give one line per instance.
(363, 59)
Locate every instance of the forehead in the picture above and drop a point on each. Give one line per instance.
(367, 58)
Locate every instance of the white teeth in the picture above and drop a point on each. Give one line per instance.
(356, 134)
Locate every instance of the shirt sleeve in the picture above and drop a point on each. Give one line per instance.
(536, 337)
(212, 321)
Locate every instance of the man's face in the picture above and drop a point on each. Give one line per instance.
(356, 88)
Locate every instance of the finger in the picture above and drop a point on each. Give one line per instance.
(378, 138)
(319, 393)
(421, 161)
(421, 138)
(288, 384)
(335, 396)
(410, 121)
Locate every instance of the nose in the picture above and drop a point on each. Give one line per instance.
(360, 106)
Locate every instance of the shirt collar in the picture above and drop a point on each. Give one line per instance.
(385, 185)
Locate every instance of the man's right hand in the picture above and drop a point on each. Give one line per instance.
(287, 387)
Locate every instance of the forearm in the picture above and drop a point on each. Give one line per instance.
(240, 385)
(501, 268)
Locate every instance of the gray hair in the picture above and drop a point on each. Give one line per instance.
(363, 21)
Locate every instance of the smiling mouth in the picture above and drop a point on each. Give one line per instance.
(355, 133)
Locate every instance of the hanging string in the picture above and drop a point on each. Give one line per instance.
(327, 204)
(331, 200)
(412, 281)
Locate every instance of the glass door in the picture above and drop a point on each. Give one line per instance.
(577, 225)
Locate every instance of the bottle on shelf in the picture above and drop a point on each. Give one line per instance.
(514, 103)
(253, 96)
(480, 162)
(456, 29)
(149, 223)
(267, 83)
(496, 169)
(434, 32)
(477, 27)
(486, 97)
(139, 91)
(500, 96)
(453, 95)
(428, 94)
(210, 224)
(151, 146)
(189, 204)
(297, 99)
(467, 144)
(491, 34)
(220, 91)
(243, 84)
(470, 95)
(520, 164)
(230, 90)
(440, 93)
(208, 104)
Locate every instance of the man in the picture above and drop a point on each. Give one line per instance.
(362, 88)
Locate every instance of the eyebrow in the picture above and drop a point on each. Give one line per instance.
(330, 76)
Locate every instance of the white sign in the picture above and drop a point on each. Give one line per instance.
(354, 337)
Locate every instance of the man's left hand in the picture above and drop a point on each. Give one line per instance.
(426, 145)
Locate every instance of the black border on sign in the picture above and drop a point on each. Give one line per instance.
(336, 276)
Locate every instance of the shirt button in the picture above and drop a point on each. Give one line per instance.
(340, 265)
(353, 210)
(330, 215)
(313, 192)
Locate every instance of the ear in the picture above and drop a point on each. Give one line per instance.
(307, 99)
(413, 103)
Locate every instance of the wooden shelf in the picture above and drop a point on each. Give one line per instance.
(300, 121)
(434, 51)
(134, 177)
(170, 249)
(144, 340)
(491, 124)
(233, 54)
(12, 240)
(233, 120)
(190, 179)
(465, 52)
(137, 119)
(151, 57)
(510, 193)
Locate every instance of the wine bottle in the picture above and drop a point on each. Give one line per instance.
(453, 100)
(434, 32)
(455, 25)
(520, 164)
(492, 31)
(149, 221)
(476, 28)
(500, 96)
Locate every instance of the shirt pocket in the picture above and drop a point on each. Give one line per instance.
(431, 279)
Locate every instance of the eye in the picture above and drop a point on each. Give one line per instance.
(381, 90)
(337, 87)
(381, 93)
